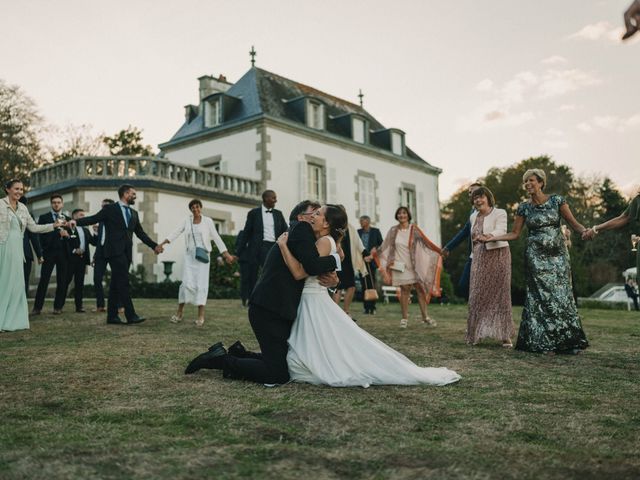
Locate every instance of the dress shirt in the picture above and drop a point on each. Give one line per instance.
(268, 225)
(365, 239)
(123, 207)
(83, 242)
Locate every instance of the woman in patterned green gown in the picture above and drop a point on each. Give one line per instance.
(550, 321)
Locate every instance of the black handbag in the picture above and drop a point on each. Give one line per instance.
(201, 253)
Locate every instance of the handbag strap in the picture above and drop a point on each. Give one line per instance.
(373, 280)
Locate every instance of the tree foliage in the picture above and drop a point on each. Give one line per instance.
(127, 142)
(20, 130)
(76, 141)
(592, 200)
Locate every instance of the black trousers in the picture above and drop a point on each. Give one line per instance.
(119, 288)
(99, 269)
(60, 261)
(272, 333)
(369, 281)
(27, 273)
(76, 272)
(248, 279)
(463, 284)
(253, 269)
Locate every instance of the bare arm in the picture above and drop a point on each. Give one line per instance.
(514, 234)
(576, 226)
(294, 266)
(614, 223)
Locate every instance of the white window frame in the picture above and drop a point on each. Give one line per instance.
(315, 115)
(213, 113)
(367, 195)
(409, 199)
(316, 182)
(358, 130)
(396, 143)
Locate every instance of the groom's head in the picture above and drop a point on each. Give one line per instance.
(302, 212)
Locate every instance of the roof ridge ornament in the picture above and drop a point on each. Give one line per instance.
(360, 96)
(253, 54)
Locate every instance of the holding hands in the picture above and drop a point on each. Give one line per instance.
(589, 233)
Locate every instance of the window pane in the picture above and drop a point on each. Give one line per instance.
(396, 143)
(358, 130)
(366, 196)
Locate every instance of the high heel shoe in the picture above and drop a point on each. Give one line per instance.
(175, 319)
(403, 323)
(429, 321)
(199, 322)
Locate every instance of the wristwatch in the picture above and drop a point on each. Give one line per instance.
(595, 229)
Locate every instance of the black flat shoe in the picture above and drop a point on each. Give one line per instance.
(134, 320)
(213, 360)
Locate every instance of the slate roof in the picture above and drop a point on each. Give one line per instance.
(262, 93)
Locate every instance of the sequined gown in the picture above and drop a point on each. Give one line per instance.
(550, 321)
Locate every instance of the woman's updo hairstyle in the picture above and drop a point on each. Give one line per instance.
(336, 217)
(10, 184)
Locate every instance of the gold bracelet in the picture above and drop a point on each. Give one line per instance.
(595, 229)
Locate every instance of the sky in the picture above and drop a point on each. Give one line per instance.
(475, 84)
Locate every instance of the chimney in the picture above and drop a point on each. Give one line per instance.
(209, 85)
(190, 112)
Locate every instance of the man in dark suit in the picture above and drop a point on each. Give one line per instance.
(262, 228)
(121, 223)
(465, 232)
(272, 309)
(371, 239)
(246, 268)
(30, 243)
(55, 254)
(79, 258)
(100, 262)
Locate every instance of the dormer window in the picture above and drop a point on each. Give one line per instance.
(396, 143)
(358, 130)
(315, 115)
(212, 112)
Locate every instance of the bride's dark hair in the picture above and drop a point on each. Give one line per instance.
(336, 217)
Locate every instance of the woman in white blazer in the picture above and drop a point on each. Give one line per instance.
(14, 219)
(490, 286)
(199, 231)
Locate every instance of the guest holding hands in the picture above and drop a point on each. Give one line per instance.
(490, 286)
(408, 259)
(550, 322)
(31, 244)
(14, 219)
(631, 214)
(199, 231)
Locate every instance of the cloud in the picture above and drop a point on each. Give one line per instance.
(560, 82)
(556, 144)
(566, 108)
(554, 60)
(612, 123)
(601, 31)
(554, 132)
(485, 85)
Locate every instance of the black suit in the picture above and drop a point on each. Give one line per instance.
(78, 263)
(246, 269)
(369, 281)
(255, 249)
(55, 254)
(99, 268)
(273, 307)
(118, 250)
(29, 240)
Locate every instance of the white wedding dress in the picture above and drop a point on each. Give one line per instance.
(326, 347)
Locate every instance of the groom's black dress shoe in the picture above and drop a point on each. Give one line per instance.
(212, 359)
(133, 320)
(237, 349)
(115, 321)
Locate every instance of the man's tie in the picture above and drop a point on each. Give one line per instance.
(269, 211)
(127, 214)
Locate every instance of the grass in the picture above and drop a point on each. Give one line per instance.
(80, 399)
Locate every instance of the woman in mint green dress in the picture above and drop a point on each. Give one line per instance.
(550, 321)
(14, 218)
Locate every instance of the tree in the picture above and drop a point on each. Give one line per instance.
(20, 130)
(76, 141)
(127, 142)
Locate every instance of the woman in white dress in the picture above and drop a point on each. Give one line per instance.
(199, 231)
(326, 347)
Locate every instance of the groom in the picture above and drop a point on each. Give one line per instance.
(273, 307)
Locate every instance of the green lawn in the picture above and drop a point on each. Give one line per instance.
(81, 399)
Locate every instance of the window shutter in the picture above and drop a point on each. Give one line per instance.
(421, 209)
(302, 180)
(400, 199)
(331, 185)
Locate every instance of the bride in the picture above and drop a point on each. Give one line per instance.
(326, 346)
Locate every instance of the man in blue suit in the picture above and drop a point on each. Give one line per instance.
(465, 232)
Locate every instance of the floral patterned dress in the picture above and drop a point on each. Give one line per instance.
(550, 321)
